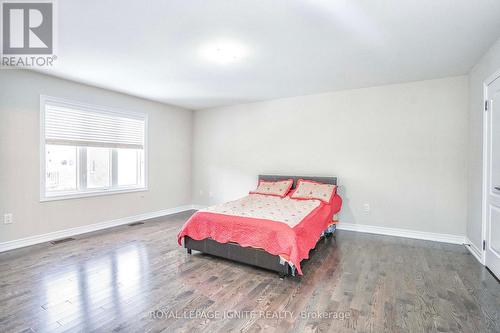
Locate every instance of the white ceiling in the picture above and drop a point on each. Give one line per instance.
(154, 49)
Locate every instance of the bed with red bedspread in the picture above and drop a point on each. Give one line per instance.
(285, 227)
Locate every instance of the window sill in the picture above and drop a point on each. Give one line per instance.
(88, 194)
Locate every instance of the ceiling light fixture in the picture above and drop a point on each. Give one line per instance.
(224, 52)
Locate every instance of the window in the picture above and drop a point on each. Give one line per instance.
(88, 150)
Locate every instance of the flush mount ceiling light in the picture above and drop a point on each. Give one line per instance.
(224, 52)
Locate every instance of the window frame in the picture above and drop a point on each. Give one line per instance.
(44, 197)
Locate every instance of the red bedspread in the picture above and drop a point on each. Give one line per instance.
(276, 238)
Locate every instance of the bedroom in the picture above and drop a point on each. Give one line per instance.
(138, 122)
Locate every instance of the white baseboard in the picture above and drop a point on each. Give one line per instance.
(445, 238)
(476, 252)
(32, 240)
(407, 233)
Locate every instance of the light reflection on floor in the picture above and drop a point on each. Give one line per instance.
(105, 285)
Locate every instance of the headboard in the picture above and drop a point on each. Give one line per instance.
(324, 180)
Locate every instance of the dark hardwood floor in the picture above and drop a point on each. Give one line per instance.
(137, 279)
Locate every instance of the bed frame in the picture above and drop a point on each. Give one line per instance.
(253, 256)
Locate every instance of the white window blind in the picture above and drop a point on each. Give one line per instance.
(92, 127)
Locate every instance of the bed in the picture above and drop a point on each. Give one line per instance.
(273, 233)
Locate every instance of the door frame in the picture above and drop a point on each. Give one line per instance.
(485, 189)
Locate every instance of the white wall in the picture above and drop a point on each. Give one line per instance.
(400, 148)
(170, 135)
(487, 66)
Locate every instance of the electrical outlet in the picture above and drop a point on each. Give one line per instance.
(8, 218)
(366, 208)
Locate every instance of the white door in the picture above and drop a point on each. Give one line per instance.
(493, 178)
